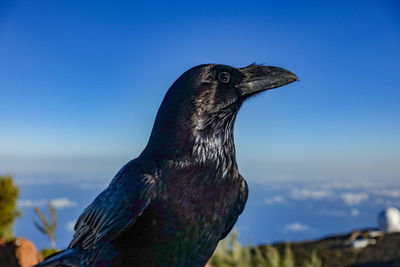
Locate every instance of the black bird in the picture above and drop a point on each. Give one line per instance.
(173, 204)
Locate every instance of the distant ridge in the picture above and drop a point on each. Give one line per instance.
(341, 250)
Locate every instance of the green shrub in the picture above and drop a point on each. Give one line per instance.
(8, 207)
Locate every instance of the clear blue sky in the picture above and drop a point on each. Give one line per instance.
(81, 82)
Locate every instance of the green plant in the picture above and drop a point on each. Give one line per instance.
(230, 253)
(258, 258)
(47, 228)
(288, 257)
(8, 206)
(46, 252)
(227, 252)
(314, 261)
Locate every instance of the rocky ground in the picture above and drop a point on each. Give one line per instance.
(347, 250)
(358, 248)
(19, 253)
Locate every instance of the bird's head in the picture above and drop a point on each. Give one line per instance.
(204, 101)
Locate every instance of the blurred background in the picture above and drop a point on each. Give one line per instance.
(81, 82)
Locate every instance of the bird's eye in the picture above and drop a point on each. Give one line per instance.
(224, 77)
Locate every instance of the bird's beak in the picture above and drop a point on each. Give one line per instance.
(260, 78)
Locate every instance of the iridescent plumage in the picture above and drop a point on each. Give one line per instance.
(172, 204)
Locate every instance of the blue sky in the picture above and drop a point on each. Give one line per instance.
(80, 84)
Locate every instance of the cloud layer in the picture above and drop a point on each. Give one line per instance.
(58, 203)
(353, 199)
(306, 193)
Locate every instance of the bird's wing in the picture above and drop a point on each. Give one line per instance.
(240, 203)
(114, 210)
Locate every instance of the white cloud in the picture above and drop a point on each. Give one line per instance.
(58, 203)
(355, 212)
(311, 194)
(392, 193)
(70, 226)
(274, 199)
(296, 227)
(352, 199)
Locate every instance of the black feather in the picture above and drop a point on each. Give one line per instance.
(172, 204)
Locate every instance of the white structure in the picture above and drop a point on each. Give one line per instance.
(389, 220)
(362, 243)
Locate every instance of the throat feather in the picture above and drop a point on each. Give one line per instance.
(214, 144)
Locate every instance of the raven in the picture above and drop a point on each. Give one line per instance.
(173, 204)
